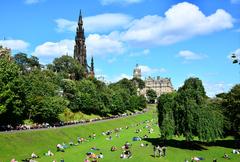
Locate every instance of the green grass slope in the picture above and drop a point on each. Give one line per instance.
(20, 145)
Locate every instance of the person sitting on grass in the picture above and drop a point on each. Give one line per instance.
(33, 155)
(128, 153)
(13, 160)
(60, 148)
(64, 145)
(225, 156)
(71, 143)
(197, 159)
(100, 156)
(235, 151)
(95, 148)
(86, 160)
(49, 153)
(113, 148)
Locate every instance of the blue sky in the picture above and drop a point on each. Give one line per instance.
(167, 38)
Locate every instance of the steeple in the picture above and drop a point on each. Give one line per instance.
(80, 21)
(80, 53)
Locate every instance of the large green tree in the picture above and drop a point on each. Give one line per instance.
(231, 106)
(192, 112)
(40, 87)
(11, 106)
(165, 115)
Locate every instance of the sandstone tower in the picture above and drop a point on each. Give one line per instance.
(137, 72)
(80, 52)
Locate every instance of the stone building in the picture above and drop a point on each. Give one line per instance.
(159, 85)
(80, 52)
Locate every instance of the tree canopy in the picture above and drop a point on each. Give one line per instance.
(190, 113)
(30, 92)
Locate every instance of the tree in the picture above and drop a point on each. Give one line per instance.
(39, 86)
(165, 115)
(231, 106)
(192, 113)
(49, 108)
(151, 95)
(11, 107)
(126, 84)
(68, 67)
(26, 64)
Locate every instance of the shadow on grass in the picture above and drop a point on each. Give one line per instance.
(195, 145)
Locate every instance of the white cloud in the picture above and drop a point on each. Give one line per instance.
(99, 23)
(108, 2)
(215, 88)
(121, 76)
(189, 55)
(181, 22)
(235, 1)
(15, 44)
(145, 52)
(32, 1)
(54, 49)
(104, 45)
(65, 25)
(146, 70)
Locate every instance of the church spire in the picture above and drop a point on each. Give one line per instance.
(80, 53)
(80, 21)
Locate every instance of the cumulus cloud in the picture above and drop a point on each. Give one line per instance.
(104, 45)
(65, 25)
(181, 22)
(15, 44)
(215, 88)
(108, 2)
(99, 23)
(54, 49)
(189, 55)
(146, 70)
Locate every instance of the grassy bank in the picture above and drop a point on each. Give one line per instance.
(21, 144)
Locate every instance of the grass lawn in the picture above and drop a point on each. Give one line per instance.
(20, 145)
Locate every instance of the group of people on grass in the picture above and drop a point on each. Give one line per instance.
(161, 151)
(126, 153)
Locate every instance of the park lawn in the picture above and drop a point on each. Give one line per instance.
(21, 144)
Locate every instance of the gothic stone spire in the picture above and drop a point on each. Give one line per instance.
(80, 53)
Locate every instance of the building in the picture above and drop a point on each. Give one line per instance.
(80, 51)
(137, 72)
(159, 85)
